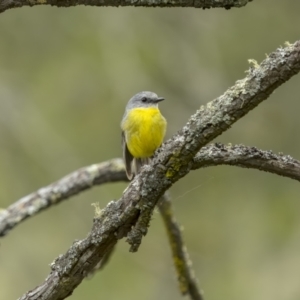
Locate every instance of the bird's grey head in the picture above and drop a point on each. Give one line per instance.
(144, 99)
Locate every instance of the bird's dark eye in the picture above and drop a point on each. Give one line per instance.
(144, 99)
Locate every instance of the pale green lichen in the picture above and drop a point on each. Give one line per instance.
(97, 208)
(253, 63)
(287, 44)
(118, 165)
(176, 165)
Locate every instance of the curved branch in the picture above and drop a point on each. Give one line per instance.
(212, 155)
(247, 157)
(6, 4)
(56, 192)
(172, 161)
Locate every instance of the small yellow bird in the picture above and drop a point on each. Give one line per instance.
(143, 131)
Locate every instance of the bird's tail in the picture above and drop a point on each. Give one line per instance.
(138, 163)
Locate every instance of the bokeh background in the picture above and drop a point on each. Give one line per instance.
(65, 77)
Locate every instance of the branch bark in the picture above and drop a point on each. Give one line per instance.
(247, 157)
(70, 185)
(113, 171)
(172, 161)
(227, 4)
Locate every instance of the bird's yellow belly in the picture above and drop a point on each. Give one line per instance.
(144, 130)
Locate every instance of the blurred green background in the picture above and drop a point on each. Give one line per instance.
(65, 77)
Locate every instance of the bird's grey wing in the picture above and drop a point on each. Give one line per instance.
(127, 157)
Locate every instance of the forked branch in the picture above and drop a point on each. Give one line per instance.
(113, 171)
(173, 160)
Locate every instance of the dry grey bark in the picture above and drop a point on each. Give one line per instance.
(70, 185)
(113, 171)
(172, 161)
(227, 4)
(247, 157)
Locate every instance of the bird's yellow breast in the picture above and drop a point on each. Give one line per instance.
(144, 130)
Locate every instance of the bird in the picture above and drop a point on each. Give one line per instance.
(143, 130)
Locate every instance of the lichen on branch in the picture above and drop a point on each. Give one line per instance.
(172, 161)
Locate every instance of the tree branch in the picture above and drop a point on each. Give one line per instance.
(247, 157)
(185, 274)
(172, 161)
(56, 192)
(113, 171)
(227, 4)
(102, 263)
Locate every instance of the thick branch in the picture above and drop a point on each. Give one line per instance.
(172, 161)
(102, 263)
(247, 157)
(212, 155)
(174, 158)
(218, 115)
(6, 4)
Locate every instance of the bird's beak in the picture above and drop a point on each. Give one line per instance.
(159, 99)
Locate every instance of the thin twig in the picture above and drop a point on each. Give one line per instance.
(186, 278)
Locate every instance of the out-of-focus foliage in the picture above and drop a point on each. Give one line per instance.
(65, 77)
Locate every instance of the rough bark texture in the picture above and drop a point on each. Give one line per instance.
(172, 161)
(248, 157)
(113, 171)
(227, 4)
(56, 192)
